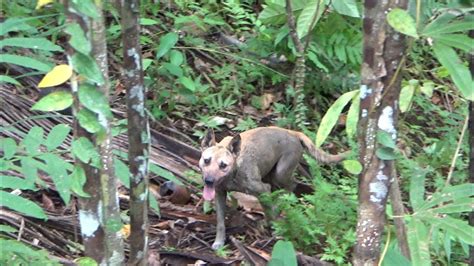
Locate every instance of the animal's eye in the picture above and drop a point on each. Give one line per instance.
(222, 165)
(207, 160)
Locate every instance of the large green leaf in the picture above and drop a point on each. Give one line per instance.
(402, 22)
(164, 173)
(86, 7)
(417, 187)
(457, 70)
(122, 172)
(449, 194)
(55, 101)
(9, 147)
(406, 95)
(16, 24)
(167, 42)
(15, 182)
(332, 115)
(56, 136)
(441, 26)
(21, 205)
(456, 227)
(83, 149)
(56, 168)
(305, 20)
(78, 179)
(458, 206)
(94, 100)
(29, 169)
(418, 242)
(283, 254)
(394, 256)
(32, 43)
(87, 66)
(88, 120)
(353, 117)
(346, 7)
(274, 12)
(460, 41)
(78, 39)
(33, 140)
(25, 61)
(352, 166)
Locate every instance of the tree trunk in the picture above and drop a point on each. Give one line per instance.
(138, 132)
(379, 92)
(471, 145)
(99, 214)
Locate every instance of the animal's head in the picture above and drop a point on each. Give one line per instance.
(217, 161)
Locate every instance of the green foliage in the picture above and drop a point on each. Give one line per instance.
(283, 254)
(324, 218)
(17, 253)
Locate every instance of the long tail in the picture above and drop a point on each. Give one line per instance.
(318, 154)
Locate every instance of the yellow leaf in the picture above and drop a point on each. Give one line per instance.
(125, 231)
(58, 75)
(42, 3)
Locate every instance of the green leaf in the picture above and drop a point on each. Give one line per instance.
(417, 187)
(385, 139)
(406, 95)
(153, 203)
(9, 147)
(402, 22)
(7, 229)
(94, 100)
(55, 101)
(21, 205)
(346, 7)
(56, 136)
(458, 206)
(394, 256)
(32, 43)
(460, 41)
(29, 169)
(147, 21)
(176, 57)
(418, 242)
(173, 69)
(56, 168)
(78, 39)
(449, 194)
(353, 117)
(164, 173)
(306, 18)
(457, 70)
(456, 227)
(84, 150)
(33, 140)
(352, 166)
(87, 66)
(14, 182)
(188, 83)
(78, 179)
(146, 62)
(86, 261)
(88, 120)
(283, 254)
(274, 12)
(332, 115)
(86, 7)
(24, 61)
(442, 25)
(7, 79)
(16, 24)
(122, 172)
(385, 153)
(167, 42)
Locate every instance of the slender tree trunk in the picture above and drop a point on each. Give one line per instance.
(379, 92)
(399, 212)
(138, 132)
(99, 214)
(471, 145)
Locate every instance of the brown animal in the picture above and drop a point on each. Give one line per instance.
(256, 161)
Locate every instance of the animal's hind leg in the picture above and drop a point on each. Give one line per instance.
(283, 172)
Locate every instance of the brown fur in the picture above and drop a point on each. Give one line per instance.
(256, 161)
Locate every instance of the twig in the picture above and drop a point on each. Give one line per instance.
(398, 214)
(385, 249)
(456, 153)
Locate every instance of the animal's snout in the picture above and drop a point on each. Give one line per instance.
(209, 181)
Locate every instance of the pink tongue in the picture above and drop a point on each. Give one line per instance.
(208, 193)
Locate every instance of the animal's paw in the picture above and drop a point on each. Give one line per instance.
(217, 245)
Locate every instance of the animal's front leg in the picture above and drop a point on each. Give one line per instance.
(220, 213)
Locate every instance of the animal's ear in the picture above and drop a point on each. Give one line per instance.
(208, 140)
(234, 145)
